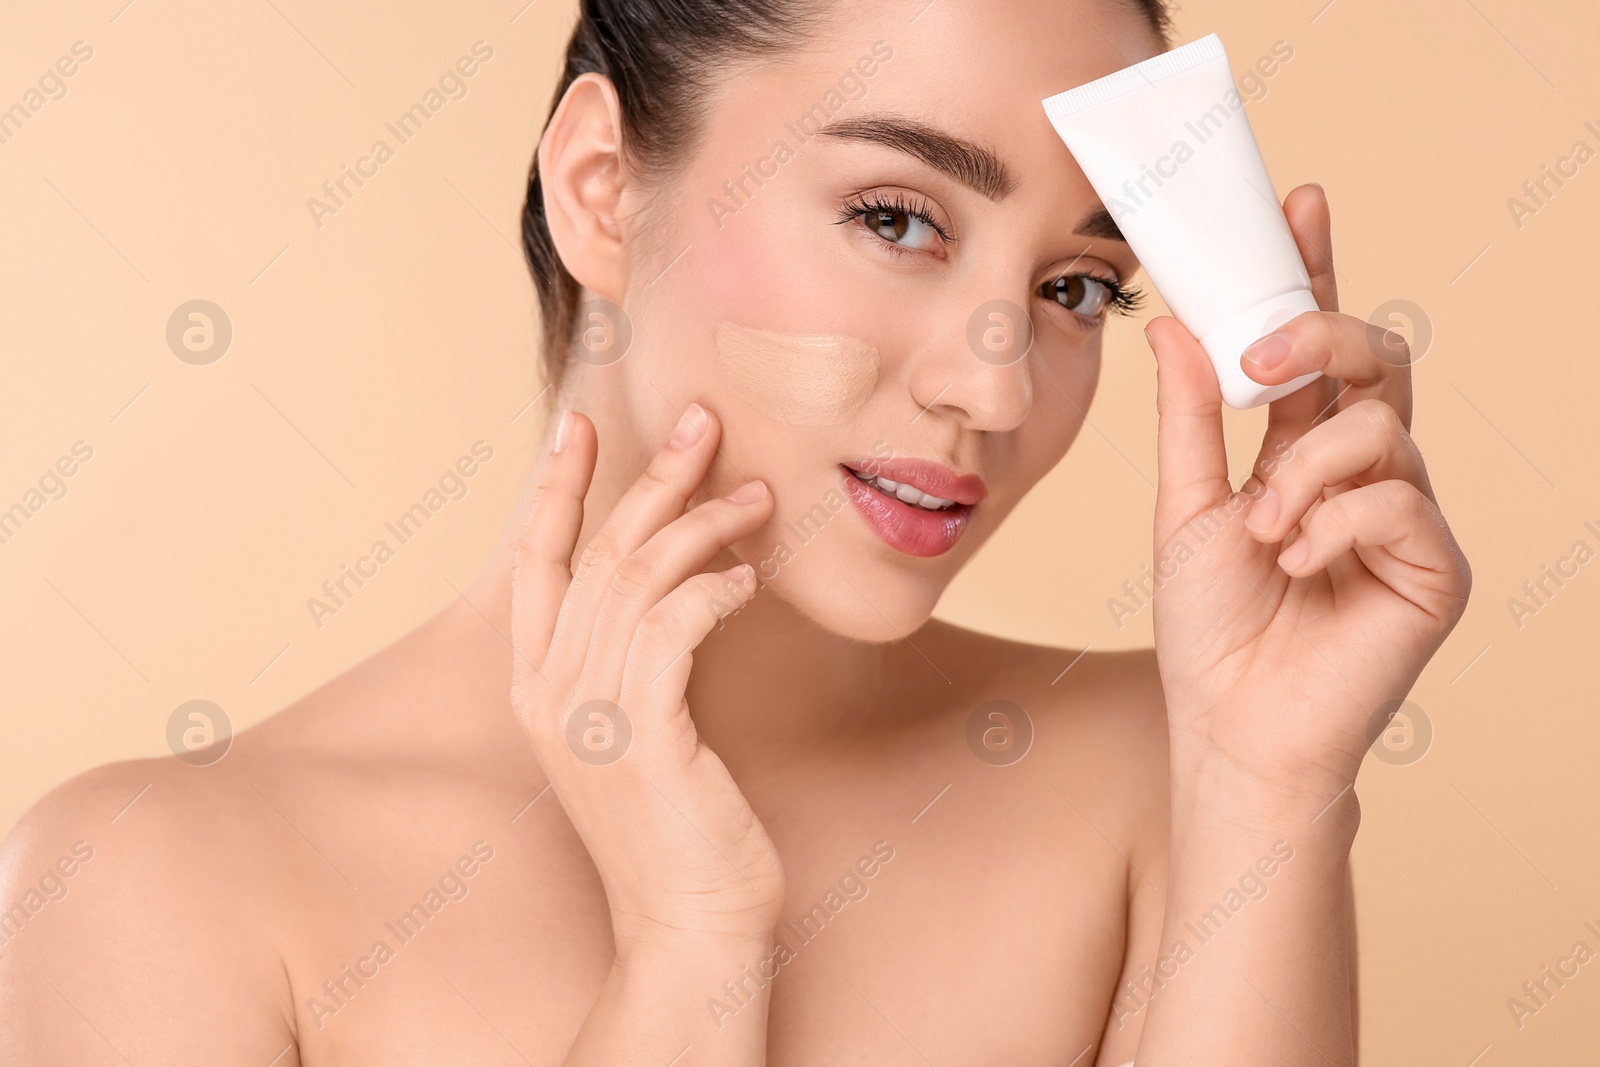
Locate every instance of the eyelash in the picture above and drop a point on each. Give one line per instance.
(856, 208)
(1122, 299)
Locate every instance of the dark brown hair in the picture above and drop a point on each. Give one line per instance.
(663, 56)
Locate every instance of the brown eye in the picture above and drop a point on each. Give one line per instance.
(1079, 294)
(907, 226)
(890, 225)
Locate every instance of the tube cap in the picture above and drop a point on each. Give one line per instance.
(1226, 342)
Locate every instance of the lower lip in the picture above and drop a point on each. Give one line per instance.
(912, 530)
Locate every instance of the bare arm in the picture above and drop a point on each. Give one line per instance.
(1256, 929)
(117, 931)
(1162, 949)
(1350, 943)
(604, 647)
(1302, 609)
(657, 997)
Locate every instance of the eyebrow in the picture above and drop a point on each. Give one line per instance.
(973, 165)
(1099, 223)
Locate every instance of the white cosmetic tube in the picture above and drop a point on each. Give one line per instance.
(1168, 148)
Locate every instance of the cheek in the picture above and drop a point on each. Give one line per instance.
(1066, 379)
(798, 379)
(757, 268)
(766, 305)
(1064, 387)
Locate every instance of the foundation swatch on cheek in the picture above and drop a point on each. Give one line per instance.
(799, 379)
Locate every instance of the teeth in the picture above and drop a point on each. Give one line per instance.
(910, 494)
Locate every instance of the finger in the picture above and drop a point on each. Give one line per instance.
(656, 669)
(547, 532)
(1399, 535)
(657, 497)
(1311, 222)
(682, 548)
(1191, 460)
(1363, 444)
(1356, 353)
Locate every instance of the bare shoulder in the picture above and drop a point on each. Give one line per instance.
(127, 903)
(1098, 719)
(154, 890)
(150, 825)
(1075, 689)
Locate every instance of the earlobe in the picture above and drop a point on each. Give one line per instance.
(583, 180)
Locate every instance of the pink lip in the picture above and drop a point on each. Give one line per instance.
(932, 478)
(912, 530)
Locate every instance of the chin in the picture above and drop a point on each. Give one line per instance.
(872, 609)
(846, 582)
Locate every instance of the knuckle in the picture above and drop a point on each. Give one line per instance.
(1378, 417)
(658, 474)
(601, 551)
(1324, 325)
(1340, 512)
(1378, 502)
(1298, 457)
(1282, 452)
(529, 699)
(1408, 497)
(673, 621)
(521, 572)
(1317, 335)
(526, 564)
(660, 630)
(633, 578)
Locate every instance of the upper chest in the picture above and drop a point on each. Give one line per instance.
(944, 911)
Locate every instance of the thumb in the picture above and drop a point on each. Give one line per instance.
(1191, 458)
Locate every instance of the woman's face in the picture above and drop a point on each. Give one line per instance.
(844, 272)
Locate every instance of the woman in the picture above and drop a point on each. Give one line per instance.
(742, 800)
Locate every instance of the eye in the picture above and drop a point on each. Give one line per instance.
(905, 226)
(1091, 297)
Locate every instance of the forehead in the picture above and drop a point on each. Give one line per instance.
(997, 47)
(977, 69)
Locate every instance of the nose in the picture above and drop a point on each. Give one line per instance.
(975, 368)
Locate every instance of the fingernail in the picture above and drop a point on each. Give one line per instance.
(1270, 351)
(563, 432)
(1295, 554)
(1264, 512)
(748, 493)
(690, 427)
(745, 575)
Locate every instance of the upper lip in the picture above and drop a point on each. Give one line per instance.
(930, 477)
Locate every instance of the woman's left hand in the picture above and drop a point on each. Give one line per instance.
(1293, 613)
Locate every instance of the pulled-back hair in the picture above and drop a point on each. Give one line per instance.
(663, 58)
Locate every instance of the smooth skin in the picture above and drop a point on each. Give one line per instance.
(785, 741)
(693, 882)
(1280, 645)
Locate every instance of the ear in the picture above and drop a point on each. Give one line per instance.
(582, 177)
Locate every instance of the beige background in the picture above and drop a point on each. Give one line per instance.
(370, 353)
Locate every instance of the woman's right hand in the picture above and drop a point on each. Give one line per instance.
(681, 855)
